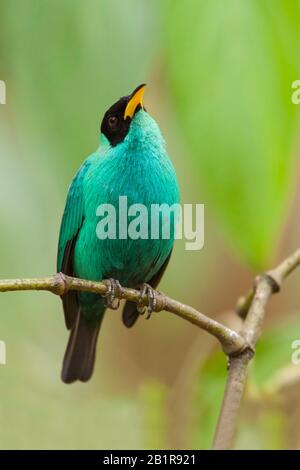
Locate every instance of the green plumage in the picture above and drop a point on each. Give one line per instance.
(139, 168)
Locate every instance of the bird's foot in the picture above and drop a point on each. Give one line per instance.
(113, 293)
(150, 293)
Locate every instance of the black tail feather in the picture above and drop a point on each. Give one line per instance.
(130, 314)
(79, 359)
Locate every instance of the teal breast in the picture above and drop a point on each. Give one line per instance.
(140, 169)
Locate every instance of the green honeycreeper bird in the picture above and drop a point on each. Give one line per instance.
(131, 161)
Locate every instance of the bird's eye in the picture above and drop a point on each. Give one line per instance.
(113, 122)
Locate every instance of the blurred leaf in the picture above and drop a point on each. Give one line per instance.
(231, 65)
(210, 385)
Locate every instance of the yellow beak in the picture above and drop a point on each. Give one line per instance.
(136, 98)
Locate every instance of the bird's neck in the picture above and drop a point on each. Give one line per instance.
(144, 135)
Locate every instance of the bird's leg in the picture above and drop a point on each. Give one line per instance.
(113, 288)
(149, 292)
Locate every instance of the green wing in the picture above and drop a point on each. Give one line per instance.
(70, 226)
(130, 313)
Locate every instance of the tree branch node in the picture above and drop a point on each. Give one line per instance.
(60, 284)
(270, 277)
(246, 349)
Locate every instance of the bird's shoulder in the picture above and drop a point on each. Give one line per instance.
(73, 214)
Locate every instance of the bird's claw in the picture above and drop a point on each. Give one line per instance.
(149, 292)
(113, 293)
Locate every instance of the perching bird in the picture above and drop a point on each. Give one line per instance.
(131, 161)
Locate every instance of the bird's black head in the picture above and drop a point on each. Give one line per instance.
(116, 122)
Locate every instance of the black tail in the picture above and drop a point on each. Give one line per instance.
(79, 359)
(130, 314)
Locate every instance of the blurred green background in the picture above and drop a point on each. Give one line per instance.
(219, 78)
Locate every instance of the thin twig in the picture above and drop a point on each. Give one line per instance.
(265, 286)
(59, 284)
(278, 274)
(244, 303)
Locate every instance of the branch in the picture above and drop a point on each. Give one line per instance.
(253, 308)
(60, 284)
(239, 347)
